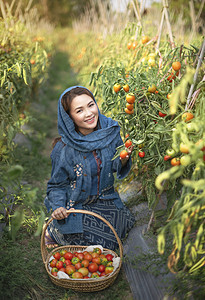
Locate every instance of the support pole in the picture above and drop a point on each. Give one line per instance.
(201, 57)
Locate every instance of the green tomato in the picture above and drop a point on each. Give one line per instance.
(192, 127)
(185, 160)
(171, 152)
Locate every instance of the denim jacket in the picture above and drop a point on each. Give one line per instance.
(70, 183)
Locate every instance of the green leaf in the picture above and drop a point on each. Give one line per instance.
(199, 236)
(161, 242)
(25, 76)
(41, 220)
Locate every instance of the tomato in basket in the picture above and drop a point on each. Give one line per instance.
(53, 263)
(93, 267)
(101, 268)
(95, 275)
(97, 250)
(85, 263)
(109, 257)
(59, 264)
(68, 255)
(63, 252)
(109, 270)
(57, 255)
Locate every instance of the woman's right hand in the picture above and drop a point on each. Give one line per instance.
(61, 213)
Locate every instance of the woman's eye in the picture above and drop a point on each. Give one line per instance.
(91, 104)
(78, 111)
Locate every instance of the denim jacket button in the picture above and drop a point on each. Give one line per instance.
(85, 174)
(83, 190)
(84, 157)
(74, 215)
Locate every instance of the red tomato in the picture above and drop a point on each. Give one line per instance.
(62, 269)
(109, 257)
(187, 116)
(175, 161)
(88, 257)
(109, 270)
(171, 77)
(128, 143)
(85, 263)
(80, 256)
(68, 255)
(70, 269)
(96, 260)
(67, 262)
(93, 267)
(57, 255)
(141, 154)
(59, 264)
(123, 153)
(77, 275)
(161, 114)
(95, 254)
(101, 268)
(78, 266)
(102, 274)
(53, 263)
(167, 157)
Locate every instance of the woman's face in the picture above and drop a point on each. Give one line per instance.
(84, 113)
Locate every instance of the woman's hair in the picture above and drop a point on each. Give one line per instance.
(70, 95)
(67, 99)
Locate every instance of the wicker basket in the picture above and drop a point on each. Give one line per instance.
(82, 285)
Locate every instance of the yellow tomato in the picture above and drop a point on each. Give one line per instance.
(152, 89)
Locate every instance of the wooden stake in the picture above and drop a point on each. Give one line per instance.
(137, 13)
(201, 57)
(165, 15)
(160, 31)
(3, 11)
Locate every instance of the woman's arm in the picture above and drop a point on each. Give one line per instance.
(57, 187)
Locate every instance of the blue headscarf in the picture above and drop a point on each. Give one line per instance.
(99, 139)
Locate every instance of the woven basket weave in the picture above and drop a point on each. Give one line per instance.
(82, 285)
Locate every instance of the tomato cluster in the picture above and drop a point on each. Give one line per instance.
(82, 265)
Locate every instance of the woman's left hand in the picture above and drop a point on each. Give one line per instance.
(129, 152)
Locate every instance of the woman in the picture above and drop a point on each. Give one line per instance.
(82, 175)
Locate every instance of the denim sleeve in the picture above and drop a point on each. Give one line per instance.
(122, 171)
(57, 186)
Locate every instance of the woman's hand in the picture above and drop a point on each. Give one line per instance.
(61, 213)
(125, 160)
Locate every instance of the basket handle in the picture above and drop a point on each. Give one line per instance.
(44, 251)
